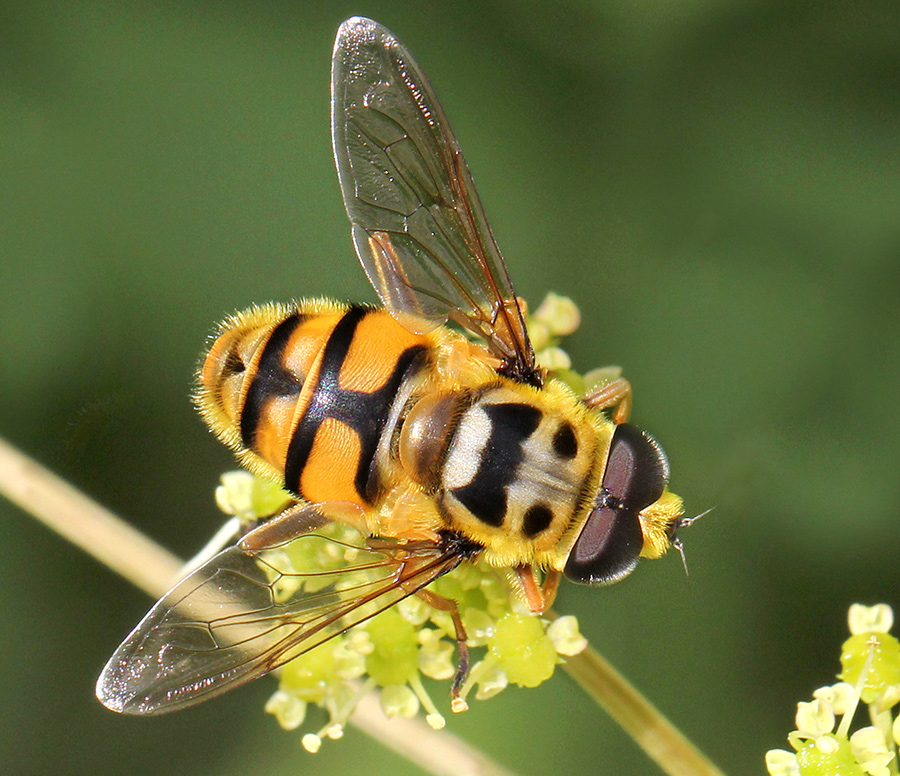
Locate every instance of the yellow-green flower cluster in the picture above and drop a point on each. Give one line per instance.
(393, 651)
(870, 661)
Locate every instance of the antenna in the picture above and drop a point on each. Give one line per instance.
(676, 540)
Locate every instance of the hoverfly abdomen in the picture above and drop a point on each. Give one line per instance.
(305, 394)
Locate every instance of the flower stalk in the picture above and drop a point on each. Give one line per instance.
(653, 732)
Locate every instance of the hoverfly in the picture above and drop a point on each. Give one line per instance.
(436, 448)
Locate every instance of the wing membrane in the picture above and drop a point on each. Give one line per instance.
(418, 225)
(284, 589)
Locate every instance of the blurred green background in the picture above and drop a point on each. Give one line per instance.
(716, 182)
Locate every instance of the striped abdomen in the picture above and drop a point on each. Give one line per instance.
(306, 393)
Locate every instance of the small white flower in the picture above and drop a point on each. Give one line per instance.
(553, 359)
(567, 639)
(890, 697)
(490, 683)
(871, 750)
(249, 497)
(814, 718)
(559, 313)
(601, 376)
(287, 708)
(479, 626)
(398, 700)
(839, 696)
(349, 659)
(782, 763)
(435, 658)
(870, 619)
(360, 641)
(414, 610)
(235, 495)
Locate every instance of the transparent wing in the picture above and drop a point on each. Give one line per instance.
(285, 588)
(418, 225)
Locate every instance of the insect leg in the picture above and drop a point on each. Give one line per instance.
(550, 587)
(615, 394)
(462, 667)
(539, 597)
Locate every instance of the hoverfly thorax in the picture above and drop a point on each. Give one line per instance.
(508, 465)
(426, 435)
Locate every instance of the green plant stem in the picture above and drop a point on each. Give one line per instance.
(85, 523)
(437, 751)
(658, 737)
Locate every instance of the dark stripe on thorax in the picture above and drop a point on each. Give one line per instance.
(271, 379)
(485, 496)
(365, 412)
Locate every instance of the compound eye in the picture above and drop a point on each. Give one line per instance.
(609, 545)
(637, 469)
